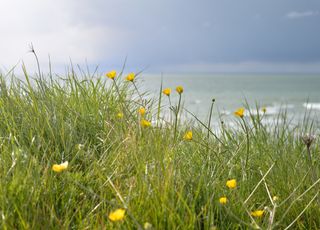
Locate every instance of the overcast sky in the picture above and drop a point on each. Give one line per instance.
(164, 35)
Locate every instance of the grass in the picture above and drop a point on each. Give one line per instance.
(151, 172)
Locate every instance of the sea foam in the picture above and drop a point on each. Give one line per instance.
(309, 105)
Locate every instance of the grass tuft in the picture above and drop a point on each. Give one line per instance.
(152, 174)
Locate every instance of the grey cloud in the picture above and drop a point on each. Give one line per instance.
(161, 34)
(295, 14)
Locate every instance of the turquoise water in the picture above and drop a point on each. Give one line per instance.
(297, 93)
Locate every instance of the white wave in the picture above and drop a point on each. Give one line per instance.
(276, 108)
(195, 102)
(270, 110)
(273, 110)
(309, 105)
(225, 112)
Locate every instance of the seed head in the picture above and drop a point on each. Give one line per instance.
(308, 139)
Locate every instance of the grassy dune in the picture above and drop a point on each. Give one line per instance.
(159, 176)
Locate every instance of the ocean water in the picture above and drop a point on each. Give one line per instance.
(297, 94)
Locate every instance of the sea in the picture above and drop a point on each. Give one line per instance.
(297, 95)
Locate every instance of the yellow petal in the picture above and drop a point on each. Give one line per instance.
(239, 112)
(60, 167)
(167, 91)
(223, 200)
(142, 111)
(188, 136)
(145, 123)
(231, 183)
(112, 74)
(117, 215)
(179, 89)
(130, 77)
(257, 213)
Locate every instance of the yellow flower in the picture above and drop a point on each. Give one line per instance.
(112, 74)
(223, 200)
(239, 112)
(167, 91)
(179, 89)
(147, 225)
(117, 214)
(119, 115)
(275, 198)
(188, 136)
(142, 111)
(257, 213)
(60, 167)
(232, 183)
(264, 109)
(145, 123)
(130, 77)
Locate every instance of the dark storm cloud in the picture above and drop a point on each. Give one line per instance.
(164, 34)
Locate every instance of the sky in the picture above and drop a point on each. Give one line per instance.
(163, 35)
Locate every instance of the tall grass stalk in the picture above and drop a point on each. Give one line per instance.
(176, 113)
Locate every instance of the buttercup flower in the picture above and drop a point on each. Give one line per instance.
(223, 200)
(117, 215)
(142, 111)
(61, 167)
(257, 213)
(119, 115)
(145, 123)
(232, 183)
(239, 112)
(130, 77)
(179, 89)
(188, 136)
(167, 91)
(112, 74)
